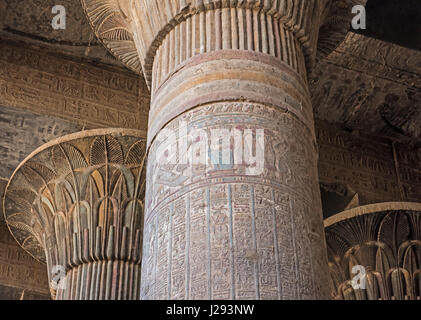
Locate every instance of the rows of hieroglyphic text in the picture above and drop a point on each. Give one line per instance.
(91, 96)
(219, 233)
(242, 244)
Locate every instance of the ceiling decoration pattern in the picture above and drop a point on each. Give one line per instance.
(76, 203)
(384, 239)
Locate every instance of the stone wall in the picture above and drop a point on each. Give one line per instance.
(90, 95)
(371, 86)
(23, 131)
(365, 170)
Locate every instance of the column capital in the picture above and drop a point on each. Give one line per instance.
(77, 202)
(383, 241)
(134, 30)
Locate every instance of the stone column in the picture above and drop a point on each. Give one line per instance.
(76, 203)
(219, 223)
(240, 228)
(375, 252)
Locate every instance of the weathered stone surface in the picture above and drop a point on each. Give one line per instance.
(88, 95)
(376, 170)
(77, 203)
(217, 231)
(363, 82)
(23, 131)
(370, 86)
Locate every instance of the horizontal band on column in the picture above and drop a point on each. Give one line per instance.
(225, 180)
(283, 133)
(241, 30)
(237, 55)
(223, 79)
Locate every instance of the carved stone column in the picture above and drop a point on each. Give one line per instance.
(76, 203)
(233, 229)
(382, 243)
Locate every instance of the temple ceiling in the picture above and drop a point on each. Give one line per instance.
(30, 22)
(370, 86)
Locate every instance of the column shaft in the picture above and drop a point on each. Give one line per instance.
(249, 227)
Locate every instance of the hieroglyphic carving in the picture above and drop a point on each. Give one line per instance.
(22, 273)
(367, 166)
(385, 239)
(17, 268)
(221, 234)
(210, 58)
(27, 130)
(77, 203)
(408, 161)
(82, 93)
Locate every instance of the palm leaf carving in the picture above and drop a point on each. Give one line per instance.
(385, 242)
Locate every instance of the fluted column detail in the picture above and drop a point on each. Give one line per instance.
(152, 20)
(226, 29)
(76, 203)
